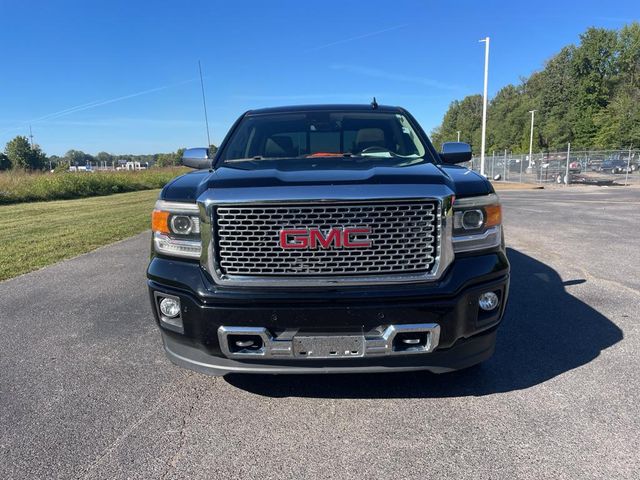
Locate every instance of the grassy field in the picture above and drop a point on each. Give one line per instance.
(33, 235)
(17, 186)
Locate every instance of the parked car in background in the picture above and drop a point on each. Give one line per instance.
(556, 170)
(615, 166)
(634, 163)
(575, 167)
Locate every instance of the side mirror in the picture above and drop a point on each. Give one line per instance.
(196, 158)
(455, 152)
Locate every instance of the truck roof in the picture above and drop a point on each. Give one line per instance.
(334, 107)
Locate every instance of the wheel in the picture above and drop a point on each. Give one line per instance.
(614, 170)
(559, 179)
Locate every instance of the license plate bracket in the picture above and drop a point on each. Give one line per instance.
(328, 346)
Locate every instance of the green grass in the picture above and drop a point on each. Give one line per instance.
(16, 186)
(33, 235)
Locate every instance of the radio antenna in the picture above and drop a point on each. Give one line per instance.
(204, 104)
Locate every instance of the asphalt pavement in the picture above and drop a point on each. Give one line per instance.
(86, 392)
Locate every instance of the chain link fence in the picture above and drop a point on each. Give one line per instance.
(595, 167)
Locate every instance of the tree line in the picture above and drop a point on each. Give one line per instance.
(20, 154)
(587, 94)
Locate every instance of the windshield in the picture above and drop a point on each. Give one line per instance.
(318, 134)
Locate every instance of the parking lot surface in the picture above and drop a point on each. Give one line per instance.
(86, 392)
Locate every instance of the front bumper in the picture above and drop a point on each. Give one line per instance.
(466, 334)
(464, 354)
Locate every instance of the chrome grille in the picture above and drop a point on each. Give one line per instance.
(403, 239)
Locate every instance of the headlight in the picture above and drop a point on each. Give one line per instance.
(176, 229)
(184, 224)
(471, 219)
(477, 223)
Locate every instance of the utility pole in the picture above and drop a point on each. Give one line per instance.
(533, 113)
(484, 102)
(30, 135)
(458, 135)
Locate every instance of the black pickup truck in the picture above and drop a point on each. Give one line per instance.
(329, 238)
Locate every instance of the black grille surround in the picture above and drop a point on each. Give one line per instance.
(404, 237)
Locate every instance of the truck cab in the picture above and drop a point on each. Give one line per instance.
(328, 238)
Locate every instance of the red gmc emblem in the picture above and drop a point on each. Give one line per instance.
(313, 238)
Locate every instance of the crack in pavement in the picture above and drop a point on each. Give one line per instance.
(198, 391)
(125, 434)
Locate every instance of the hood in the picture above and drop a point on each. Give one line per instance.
(324, 171)
(467, 183)
(320, 176)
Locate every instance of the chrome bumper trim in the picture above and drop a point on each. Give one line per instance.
(375, 343)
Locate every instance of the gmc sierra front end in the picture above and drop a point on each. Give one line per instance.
(328, 239)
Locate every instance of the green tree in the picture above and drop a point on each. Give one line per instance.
(38, 158)
(508, 120)
(464, 116)
(18, 151)
(165, 159)
(629, 54)
(553, 100)
(104, 157)
(618, 125)
(78, 157)
(169, 159)
(587, 94)
(594, 71)
(179, 154)
(23, 156)
(54, 160)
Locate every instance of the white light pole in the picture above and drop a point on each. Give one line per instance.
(458, 135)
(533, 113)
(484, 103)
(566, 175)
(626, 177)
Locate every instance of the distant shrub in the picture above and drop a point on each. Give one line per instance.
(18, 186)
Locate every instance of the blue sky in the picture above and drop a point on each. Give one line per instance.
(122, 76)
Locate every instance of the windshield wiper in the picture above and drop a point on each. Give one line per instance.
(250, 159)
(375, 150)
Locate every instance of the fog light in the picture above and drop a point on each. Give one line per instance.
(170, 307)
(488, 301)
